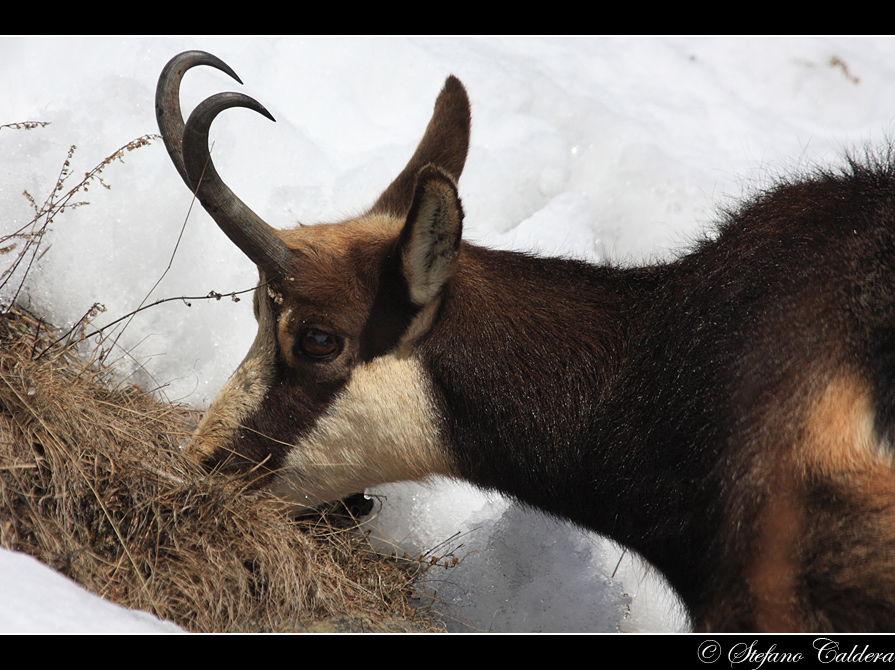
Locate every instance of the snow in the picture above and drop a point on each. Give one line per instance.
(38, 600)
(595, 148)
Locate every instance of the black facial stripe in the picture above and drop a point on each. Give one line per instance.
(391, 314)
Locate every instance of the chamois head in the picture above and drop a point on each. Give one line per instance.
(329, 399)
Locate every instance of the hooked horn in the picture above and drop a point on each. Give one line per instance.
(188, 147)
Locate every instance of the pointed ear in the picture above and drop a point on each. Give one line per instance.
(444, 145)
(430, 240)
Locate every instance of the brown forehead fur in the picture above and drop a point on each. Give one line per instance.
(336, 263)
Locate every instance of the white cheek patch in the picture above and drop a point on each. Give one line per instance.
(381, 428)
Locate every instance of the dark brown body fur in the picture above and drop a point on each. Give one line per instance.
(726, 415)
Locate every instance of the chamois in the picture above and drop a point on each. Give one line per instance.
(729, 414)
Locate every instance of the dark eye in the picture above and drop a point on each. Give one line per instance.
(317, 344)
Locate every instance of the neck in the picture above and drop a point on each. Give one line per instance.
(557, 394)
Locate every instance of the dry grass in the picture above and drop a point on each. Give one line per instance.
(92, 483)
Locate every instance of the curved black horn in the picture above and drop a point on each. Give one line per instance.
(247, 230)
(167, 101)
(188, 147)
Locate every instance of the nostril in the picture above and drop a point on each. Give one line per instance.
(253, 473)
(196, 449)
(216, 461)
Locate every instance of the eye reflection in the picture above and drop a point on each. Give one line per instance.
(317, 344)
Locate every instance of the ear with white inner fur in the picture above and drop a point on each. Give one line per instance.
(430, 240)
